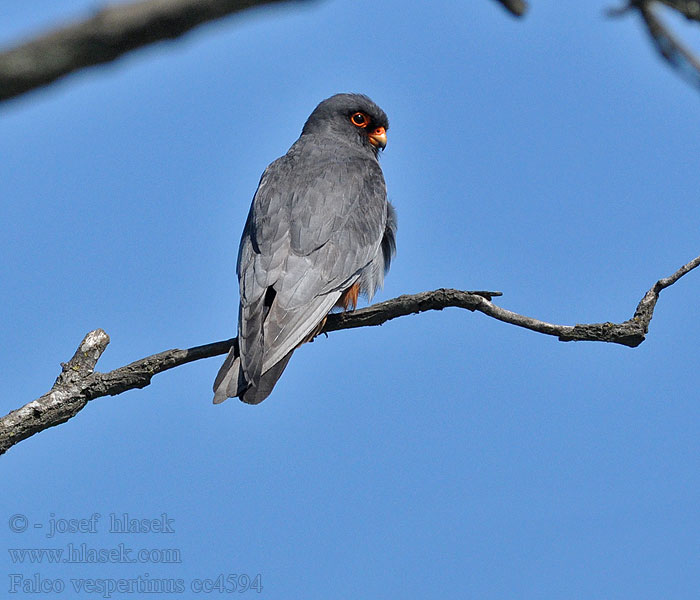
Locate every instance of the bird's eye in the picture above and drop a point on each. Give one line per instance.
(360, 119)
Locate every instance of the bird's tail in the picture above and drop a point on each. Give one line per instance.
(230, 382)
(227, 379)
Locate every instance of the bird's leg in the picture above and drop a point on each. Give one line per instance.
(348, 300)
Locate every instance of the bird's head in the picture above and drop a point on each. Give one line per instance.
(352, 116)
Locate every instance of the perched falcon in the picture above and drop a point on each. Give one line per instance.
(319, 232)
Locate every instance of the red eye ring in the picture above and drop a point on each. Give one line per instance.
(360, 119)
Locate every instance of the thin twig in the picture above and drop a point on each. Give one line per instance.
(667, 43)
(78, 383)
(690, 9)
(680, 57)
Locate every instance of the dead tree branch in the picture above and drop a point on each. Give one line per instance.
(79, 383)
(119, 29)
(667, 43)
(110, 33)
(690, 9)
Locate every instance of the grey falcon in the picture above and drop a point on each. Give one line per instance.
(320, 231)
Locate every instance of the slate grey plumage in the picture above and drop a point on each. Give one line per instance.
(319, 224)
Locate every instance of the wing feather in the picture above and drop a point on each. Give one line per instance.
(315, 224)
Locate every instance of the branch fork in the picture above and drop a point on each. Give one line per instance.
(78, 382)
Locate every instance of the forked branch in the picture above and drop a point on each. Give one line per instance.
(669, 45)
(79, 383)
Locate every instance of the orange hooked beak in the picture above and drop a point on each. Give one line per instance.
(378, 138)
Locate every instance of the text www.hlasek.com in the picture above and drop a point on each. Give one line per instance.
(84, 554)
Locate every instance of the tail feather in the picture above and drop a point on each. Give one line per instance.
(231, 383)
(255, 394)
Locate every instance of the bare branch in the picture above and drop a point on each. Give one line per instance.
(690, 9)
(63, 401)
(645, 308)
(110, 33)
(117, 30)
(667, 43)
(670, 47)
(78, 383)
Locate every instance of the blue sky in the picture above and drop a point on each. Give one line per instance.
(445, 455)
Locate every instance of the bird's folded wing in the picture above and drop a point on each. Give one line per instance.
(310, 233)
